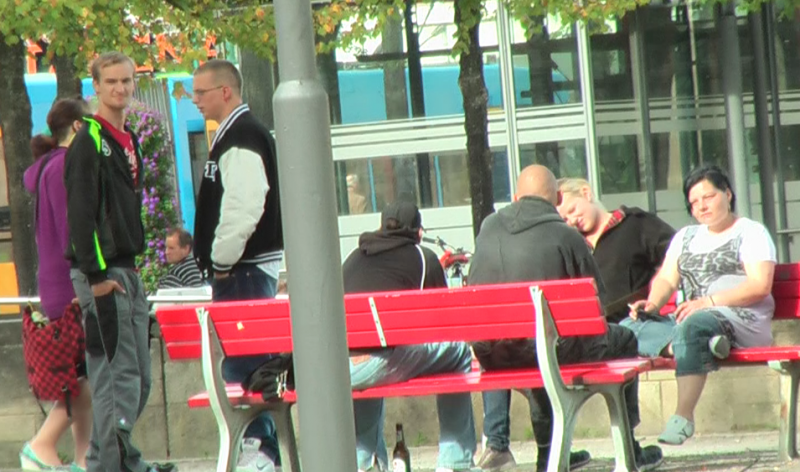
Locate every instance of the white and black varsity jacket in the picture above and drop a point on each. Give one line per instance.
(238, 217)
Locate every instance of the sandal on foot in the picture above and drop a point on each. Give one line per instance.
(30, 462)
(678, 430)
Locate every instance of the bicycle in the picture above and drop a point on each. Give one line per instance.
(454, 260)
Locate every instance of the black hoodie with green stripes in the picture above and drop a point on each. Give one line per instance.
(104, 203)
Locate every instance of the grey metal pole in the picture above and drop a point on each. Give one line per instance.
(311, 234)
(642, 98)
(782, 222)
(587, 94)
(734, 107)
(509, 92)
(766, 170)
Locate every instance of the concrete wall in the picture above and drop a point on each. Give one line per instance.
(736, 399)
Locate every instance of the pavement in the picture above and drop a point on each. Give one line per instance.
(735, 452)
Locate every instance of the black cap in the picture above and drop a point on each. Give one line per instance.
(405, 213)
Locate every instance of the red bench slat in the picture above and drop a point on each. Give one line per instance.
(749, 355)
(585, 374)
(426, 300)
(764, 354)
(232, 326)
(411, 317)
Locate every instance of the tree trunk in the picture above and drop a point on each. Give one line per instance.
(68, 82)
(476, 99)
(394, 72)
(15, 121)
(258, 86)
(417, 100)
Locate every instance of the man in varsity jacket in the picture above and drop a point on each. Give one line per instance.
(238, 233)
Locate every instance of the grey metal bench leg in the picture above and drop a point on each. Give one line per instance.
(620, 428)
(230, 436)
(282, 414)
(231, 421)
(790, 376)
(565, 414)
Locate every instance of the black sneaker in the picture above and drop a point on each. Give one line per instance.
(648, 457)
(577, 460)
(166, 467)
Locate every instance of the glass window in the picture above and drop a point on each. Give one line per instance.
(377, 83)
(546, 64)
(674, 154)
(611, 71)
(620, 168)
(788, 51)
(790, 144)
(373, 183)
(565, 158)
(682, 51)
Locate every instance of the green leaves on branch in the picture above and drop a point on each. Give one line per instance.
(470, 14)
(84, 28)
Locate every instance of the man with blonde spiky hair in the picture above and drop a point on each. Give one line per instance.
(103, 178)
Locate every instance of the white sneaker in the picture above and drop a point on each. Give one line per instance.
(252, 459)
(720, 346)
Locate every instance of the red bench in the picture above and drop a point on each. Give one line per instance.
(783, 359)
(544, 310)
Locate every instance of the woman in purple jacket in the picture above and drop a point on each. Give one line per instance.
(45, 179)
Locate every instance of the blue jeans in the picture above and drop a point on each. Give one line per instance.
(617, 343)
(496, 419)
(248, 282)
(689, 339)
(456, 424)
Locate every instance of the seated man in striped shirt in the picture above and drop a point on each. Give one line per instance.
(183, 271)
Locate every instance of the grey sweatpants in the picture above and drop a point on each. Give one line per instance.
(118, 367)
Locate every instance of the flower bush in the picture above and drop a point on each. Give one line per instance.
(159, 205)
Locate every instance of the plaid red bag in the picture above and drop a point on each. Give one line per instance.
(54, 354)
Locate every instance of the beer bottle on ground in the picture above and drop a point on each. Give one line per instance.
(401, 458)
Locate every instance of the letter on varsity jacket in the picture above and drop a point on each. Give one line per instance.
(245, 187)
(81, 178)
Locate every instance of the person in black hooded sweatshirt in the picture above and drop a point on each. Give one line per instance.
(391, 259)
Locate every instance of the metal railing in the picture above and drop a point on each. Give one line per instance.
(6, 301)
(152, 299)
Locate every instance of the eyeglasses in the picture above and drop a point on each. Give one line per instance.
(201, 92)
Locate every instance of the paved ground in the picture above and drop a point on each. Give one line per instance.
(747, 452)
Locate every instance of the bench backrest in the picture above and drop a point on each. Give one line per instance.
(394, 318)
(785, 291)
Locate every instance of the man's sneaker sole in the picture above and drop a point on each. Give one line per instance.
(653, 466)
(579, 459)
